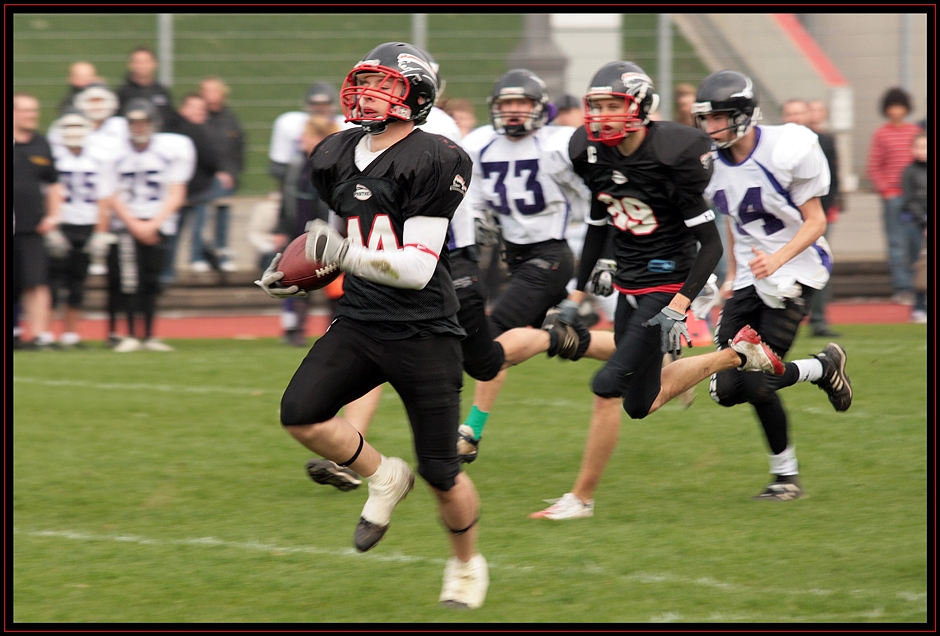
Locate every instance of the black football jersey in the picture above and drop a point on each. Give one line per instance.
(421, 175)
(647, 197)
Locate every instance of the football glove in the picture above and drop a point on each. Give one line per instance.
(56, 244)
(325, 245)
(99, 244)
(271, 277)
(602, 277)
(706, 299)
(566, 311)
(673, 328)
(486, 232)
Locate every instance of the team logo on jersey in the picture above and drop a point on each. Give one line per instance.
(362, 193)
(706, 160)
(618, 177)
(459, 185)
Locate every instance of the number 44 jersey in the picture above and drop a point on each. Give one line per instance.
(760, 195)
(652, 198)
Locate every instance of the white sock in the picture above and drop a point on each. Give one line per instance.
(70, 338)
(811, 369)
(288, 320)
(784, 463)
(378, 471)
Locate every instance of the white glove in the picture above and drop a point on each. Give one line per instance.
(271, 276)
(706, 299)
(325, 245)
(56, 244)
(99, 244)
(602, 277)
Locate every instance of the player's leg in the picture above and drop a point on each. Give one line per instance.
(75, 275)
(151, 259)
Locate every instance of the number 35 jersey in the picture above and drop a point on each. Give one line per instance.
(648, 197)
(760, 195)
(142, 178)
(528, 183)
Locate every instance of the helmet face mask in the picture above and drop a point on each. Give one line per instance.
(142, 110)
(516, 85)
(74, 128)
(97, 103)
(620, 81)
(401, 75)
(730, 93)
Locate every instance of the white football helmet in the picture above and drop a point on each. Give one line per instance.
(96, 102)
(73, 127)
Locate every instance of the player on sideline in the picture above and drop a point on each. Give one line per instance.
(768, 180)
(145, 188)
(393, 190)
(647, 180)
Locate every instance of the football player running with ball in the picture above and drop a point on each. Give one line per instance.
(393, 190)
(768, 180)
(647, 180)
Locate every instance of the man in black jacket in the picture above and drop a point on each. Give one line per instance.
(141, 82)
(229, 138)
(191, 122)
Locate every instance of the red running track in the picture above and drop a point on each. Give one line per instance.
(254, 326)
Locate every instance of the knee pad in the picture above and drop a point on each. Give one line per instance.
(439, 474)
(756, 388)
(725, 388)
(635, 411)
(483, 360)
(604, 383)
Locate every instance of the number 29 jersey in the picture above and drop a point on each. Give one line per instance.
(648, 197)
(786, 169)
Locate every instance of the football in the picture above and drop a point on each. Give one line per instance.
(301, 272)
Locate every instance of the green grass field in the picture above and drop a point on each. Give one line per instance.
(159, 488)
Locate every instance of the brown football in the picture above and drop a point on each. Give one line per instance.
(301, 272)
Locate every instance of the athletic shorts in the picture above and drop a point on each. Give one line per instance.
(776, 327)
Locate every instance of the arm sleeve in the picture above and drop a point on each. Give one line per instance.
(594, 240)
(709, 254)
(410, 267)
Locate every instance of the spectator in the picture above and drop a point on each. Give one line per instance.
(463, 112)
(888, 154)
(141, 82)
(833, 207)
(685, 97)
(191, 123)
(34, 214)
(914, 186)
(229, 138)
(81, 76)
(321, 99)
(570, 111)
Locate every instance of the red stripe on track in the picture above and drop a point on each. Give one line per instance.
(810, 49)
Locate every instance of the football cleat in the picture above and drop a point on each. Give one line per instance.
(323, 471)
(152, 344)
(126, 345)
(384, 495)
(758, 356)
(834, 380)
(569, 339)
(467, 446)
(786, 488)
(465, 584)
(568, 507)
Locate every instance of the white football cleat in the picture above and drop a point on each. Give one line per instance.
(759, 357)
(568, 507)
(126, 345)
(152, 344)
(465, 584)
(384, 494)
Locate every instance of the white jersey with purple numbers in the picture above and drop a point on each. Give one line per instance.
(285, 135)
(142, 178)
(529, 184)
(80, 177)
(761, 196)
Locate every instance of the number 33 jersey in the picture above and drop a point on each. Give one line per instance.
(648, 197)
(528, 183)
(760, 195)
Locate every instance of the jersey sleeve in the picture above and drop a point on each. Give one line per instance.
(183, 162)
(557, 163)
(283, 139)
(799, 154)
(692, 173)
(440, 182)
